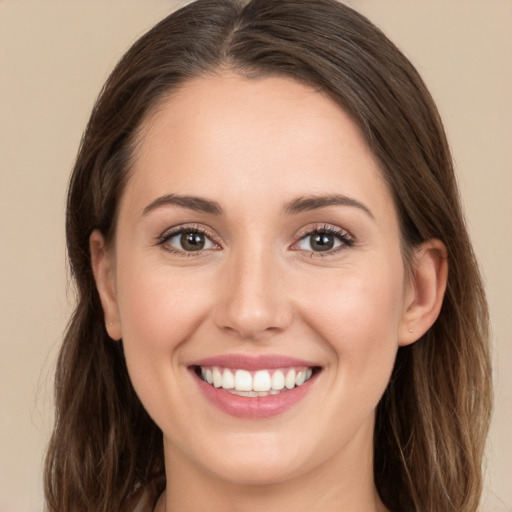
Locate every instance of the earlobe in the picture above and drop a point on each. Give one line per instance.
(425, 292)
(103, 269)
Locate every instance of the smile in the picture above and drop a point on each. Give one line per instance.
(254, 387)
(258, 383)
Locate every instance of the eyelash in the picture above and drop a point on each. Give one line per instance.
(327, 229)
(180, 230)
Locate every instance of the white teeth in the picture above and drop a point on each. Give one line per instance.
(243, 380)
(217, 378)
(289, 381)
(244, 393)
(278, 380)
(253, 393)
(261, 381)
(228, 380)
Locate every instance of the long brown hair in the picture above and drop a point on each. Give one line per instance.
(433, 418)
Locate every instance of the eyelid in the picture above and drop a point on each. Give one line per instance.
(346, 238)
(183, 228)
(343, 235)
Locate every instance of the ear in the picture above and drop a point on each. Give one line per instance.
(424, 291)
(102, 261)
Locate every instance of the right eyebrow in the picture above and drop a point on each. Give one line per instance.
(195, 203)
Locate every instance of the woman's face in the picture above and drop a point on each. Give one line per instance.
(257, 242)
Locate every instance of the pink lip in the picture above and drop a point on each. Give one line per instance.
(253, 363)
(253, 407)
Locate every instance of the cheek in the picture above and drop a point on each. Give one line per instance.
(159, 306)
(357, 314)
(160, 309)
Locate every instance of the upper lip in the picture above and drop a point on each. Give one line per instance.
(259, 362)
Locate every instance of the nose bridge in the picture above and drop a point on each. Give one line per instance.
(253, 300)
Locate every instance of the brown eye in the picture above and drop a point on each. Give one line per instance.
(328, 239)
(322, 242)
(187, 240)
(192, 241)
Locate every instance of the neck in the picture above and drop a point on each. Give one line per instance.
(333, 486)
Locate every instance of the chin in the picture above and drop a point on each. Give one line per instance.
(257, 472)
(253, 459)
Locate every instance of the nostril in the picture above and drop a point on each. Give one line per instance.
(253, 306)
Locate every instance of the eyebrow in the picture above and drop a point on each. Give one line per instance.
(303, 204)
(190, 202)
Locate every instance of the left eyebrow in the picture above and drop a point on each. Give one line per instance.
(308, 203)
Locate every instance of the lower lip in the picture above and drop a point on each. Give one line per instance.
(257, 407)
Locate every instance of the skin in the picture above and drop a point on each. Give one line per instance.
(253, 147)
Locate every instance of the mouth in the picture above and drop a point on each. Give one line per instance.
(259, 383)
(254, 387)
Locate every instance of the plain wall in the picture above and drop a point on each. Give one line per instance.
(54, 57)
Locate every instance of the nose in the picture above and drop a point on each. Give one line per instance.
(253, 303)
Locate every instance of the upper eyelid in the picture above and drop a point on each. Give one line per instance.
(180, 228)
(346, 238)
(170, 233)
(323, 227)
(215, 238)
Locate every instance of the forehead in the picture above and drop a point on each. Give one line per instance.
(226, 135)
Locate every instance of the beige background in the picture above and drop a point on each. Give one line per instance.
(54, 56)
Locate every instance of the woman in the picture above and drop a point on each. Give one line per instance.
(279, 307)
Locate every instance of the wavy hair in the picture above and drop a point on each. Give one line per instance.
(105, 451)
